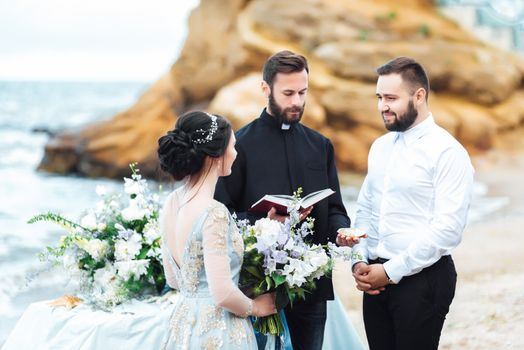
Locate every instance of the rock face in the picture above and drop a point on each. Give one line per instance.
(477, 92)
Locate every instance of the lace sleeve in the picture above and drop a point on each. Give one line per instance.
(168, 268)
(165, 223)
(224, 291)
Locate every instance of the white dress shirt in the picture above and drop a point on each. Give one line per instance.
(414, 201)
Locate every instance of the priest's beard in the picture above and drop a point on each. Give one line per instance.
(404, 121)
(281, 114)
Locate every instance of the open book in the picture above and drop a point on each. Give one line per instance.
(281, 202)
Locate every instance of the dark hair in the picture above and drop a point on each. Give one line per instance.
(410, 70)
(283, 62)
(182, 152)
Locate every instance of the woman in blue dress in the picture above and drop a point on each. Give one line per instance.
(203, 248)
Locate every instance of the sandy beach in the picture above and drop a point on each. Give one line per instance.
(488, 309)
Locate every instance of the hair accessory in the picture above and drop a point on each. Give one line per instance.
(208, 133)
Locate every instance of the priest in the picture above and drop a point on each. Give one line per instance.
(277, 155)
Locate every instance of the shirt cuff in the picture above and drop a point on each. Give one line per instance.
(395, 269)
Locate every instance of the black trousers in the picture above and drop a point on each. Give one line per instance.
(410, 315)
(306, 324)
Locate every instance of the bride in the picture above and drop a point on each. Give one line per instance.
(203, 249)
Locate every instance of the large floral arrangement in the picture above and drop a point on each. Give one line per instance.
(114, 251)
(278, 259)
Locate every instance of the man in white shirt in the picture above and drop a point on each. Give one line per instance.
(413, 205)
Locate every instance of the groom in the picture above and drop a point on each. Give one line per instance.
(277, 155)
(413, 205)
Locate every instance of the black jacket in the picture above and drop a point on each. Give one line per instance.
(275, 161)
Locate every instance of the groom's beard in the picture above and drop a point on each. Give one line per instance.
(281, 114)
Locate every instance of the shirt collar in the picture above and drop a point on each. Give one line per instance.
(418, 131)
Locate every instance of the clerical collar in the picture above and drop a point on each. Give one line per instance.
(273, 121)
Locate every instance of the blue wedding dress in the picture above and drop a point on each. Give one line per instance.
(211, 312)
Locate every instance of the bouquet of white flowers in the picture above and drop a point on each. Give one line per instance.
(277, 258)
(114, 252)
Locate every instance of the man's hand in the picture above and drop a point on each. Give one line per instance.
(346, 240)
(272, 214)
(360, 270)
(370, 278)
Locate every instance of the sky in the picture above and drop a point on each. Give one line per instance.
(91, 40)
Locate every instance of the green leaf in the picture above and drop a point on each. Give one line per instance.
(143, 253)
(281, 298)
(255, 271)
(278, 279)
(57, 219)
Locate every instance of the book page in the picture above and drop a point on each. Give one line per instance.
(315, 197)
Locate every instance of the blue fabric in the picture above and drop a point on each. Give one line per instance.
(338, 334)
(274, 343)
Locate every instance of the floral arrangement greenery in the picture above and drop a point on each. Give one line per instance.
(114, 251)
(278, 259)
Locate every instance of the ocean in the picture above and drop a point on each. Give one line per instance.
(26, 110)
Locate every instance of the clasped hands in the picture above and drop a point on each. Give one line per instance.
(370, 279)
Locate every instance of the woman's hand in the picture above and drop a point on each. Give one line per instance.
(264, 305)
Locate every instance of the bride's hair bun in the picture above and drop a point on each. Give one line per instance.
(182, 151)
(177, 155)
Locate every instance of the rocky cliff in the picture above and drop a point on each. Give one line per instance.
(477, 91)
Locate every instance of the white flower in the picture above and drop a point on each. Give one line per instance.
(316, 259)
(271, 266)
(151, 233)
(126, 269)
(103, 277)
(267, 231)
(101, 190)
(134, 212)
(134, 186)
(128, 250)
(293, 274)
(89, 221)
(96, 248)
(154, 252)
(289, 245)
(119, 227)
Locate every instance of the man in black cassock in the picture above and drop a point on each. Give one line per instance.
(277, 155)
